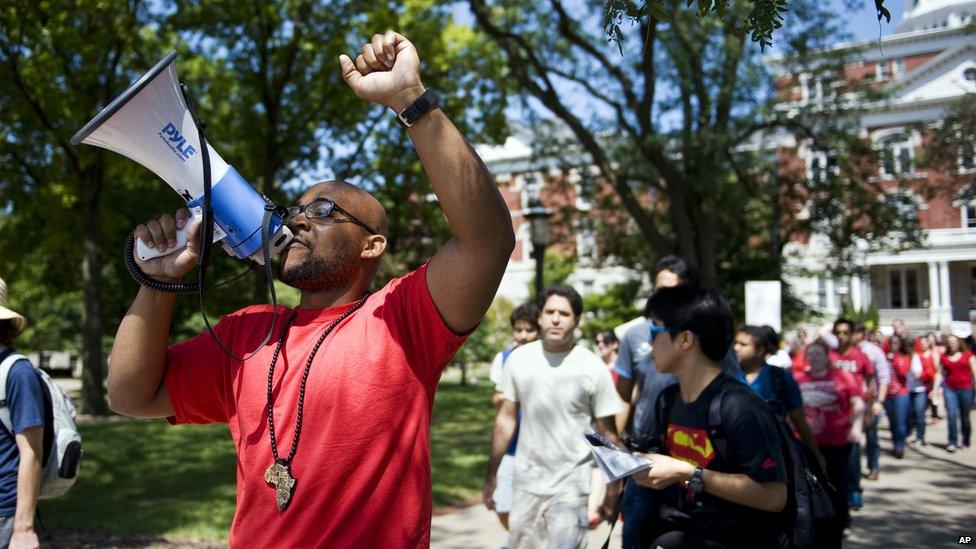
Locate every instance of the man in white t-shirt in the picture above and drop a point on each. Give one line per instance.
(560, 388)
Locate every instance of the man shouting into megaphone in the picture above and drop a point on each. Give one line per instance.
(331, 416)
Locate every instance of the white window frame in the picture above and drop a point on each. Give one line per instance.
(813, 88)
(586, 244)
(968, 222)
(897, 67)
(882, 70)
(972, 158)
(529, 183)
(909, 142)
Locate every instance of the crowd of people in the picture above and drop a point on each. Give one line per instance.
(709, 486)
(726, 418)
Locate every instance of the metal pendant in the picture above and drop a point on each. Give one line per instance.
(280, 475)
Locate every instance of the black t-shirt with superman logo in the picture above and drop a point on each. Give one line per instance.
(753, 448)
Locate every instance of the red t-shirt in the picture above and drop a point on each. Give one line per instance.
(957, 373)
(900, 364)
(827, 404)
(855, 363)
(362, 468)
(800, 360)
(928, 370)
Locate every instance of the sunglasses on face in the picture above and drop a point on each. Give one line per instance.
(318, 211)
(657, 329)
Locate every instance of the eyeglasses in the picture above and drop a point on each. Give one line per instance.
(319, 210)
(657, 329)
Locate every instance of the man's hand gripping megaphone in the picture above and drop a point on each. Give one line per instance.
(157, 238)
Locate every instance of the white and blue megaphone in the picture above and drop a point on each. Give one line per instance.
(151, 124)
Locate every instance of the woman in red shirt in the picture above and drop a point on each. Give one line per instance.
(897, 402)
(958, 367)
(833, 403)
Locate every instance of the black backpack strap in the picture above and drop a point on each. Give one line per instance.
(662, 413)
(715, 431)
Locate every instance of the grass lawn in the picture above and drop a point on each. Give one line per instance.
(146, 477)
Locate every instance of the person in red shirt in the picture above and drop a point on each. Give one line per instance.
(849, 358)
(897, 402)
(350, 374)
(957, 369)
(833, 404)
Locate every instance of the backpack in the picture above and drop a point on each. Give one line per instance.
(810, 515)
(62, 443)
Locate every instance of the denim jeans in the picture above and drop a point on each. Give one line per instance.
(637, 508)
(896, 407)
(872, 447)
(6, 530)
(920, 401)
(959, 402)
(853, 470)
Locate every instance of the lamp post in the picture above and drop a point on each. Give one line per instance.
(538, 217)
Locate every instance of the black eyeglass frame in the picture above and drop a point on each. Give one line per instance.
(294, 211)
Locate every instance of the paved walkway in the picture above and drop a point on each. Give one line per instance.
(926, 500)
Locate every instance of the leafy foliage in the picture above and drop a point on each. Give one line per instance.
(696, 139)
(950, 150)
(618, 304)
(763, 19)
(267, 83)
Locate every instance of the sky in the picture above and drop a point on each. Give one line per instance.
(864, 24)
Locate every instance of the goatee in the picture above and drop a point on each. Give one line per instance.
(316, 274)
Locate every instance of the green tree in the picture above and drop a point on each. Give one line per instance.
(950, 151)
(679, 128)
(615, 306)
(267, 82)
(61, 61)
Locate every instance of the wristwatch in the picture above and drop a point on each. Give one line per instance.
(427, 102)
(695, 483)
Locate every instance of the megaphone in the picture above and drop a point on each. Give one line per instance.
(151, 124)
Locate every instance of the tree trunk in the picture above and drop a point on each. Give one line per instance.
(93, 371)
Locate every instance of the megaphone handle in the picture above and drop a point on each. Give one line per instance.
(146, 253)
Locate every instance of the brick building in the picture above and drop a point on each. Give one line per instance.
(558, 182)
(928, 63)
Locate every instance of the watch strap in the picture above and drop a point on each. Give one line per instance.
(427, 102)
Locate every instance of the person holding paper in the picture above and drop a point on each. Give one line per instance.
(731, 491)
(561, 388)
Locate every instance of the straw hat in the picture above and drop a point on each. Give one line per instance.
(20, 323)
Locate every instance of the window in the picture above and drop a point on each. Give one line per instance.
(897, 155)
(817, 88)
(967, 158)
(970, 74)
(972, 281)
(817, 167)
(586, 242)
(898, 67)
(903, 288)
(905, 202)
(882, 70)
(970, 221)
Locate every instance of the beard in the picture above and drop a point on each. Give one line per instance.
(317, 274)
